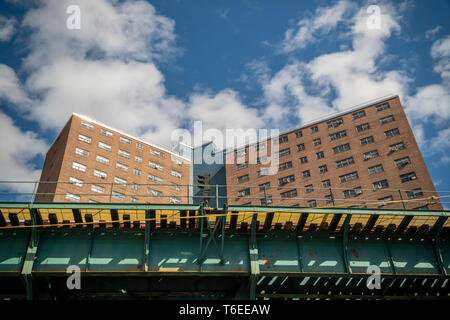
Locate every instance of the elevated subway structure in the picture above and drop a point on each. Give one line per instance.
(164, 251)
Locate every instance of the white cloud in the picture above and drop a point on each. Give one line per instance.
(18, 149)
(307, 29)
(431, 33)
(337, 80)
(7, 28)
(10, 87)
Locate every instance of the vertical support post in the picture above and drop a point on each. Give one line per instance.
(437, 244)
(224, 221)
(148, 215)
(332, 197)
(33, 195)
(201, 212)
(27, 266)
(254, 264)
(345, 227)
(217, 196)
(401, 198)
(110, 193)
(265, 195)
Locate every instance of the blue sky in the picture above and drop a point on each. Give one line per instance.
(150, 67)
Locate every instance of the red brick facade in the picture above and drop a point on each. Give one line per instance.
(63, 154)
(310, 191)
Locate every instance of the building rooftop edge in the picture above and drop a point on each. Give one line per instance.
(324, 118)
(128, 135)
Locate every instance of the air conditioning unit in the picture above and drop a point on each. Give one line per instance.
(413, 178)
(378, 187)
(358, 191)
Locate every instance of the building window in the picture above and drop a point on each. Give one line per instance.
(299, 134)
(100, 174)
(106, 133)
(121, 167)
(155, 166)
(175, 186)
(397, 147)
(97, 189)
(288, 194)
(285, 180)
(384, 200)
(75, 181)
(352, 192)
(241, 166)
(82, 152)
(338, 135)
(285, 165)
(84, 138)
(125, 140)
(408, 177)
(416, 193)
(87, 125)
(400, 163)
(137, 172)
(387, 119)
(376, 169)
(345, 162)
(300, 147)
(283, 139)
(241, 153)
(282, 153)
(362, 127)
(175, 200)
(138, 159)
(309, 188)
(124, 154)
(263, 186)
(306, 174)
(383, 106)
(177, 161)
(157, 153)
(139, 146)
(341, 148)
(260, 146)
(102, 160)
(359, 114)
(79, 166)
(323, 169)
(317, 141)
(135, 186)
(303, 160)
(380, 184)
(328, 199)
(367, 140)
(326, 183)
(118, 196)
(134, 200)
(244, 192)
(349, 177)
(262, 172)
(261, 160)
(72, 197)
(320, 155)
(314, 129)
(392, 133)
(370, 155)
(312, 203)
(154, 193)
(120, 181)
(242, 178)
(335, 123)
(265, 202)
(176, 174)
(104, 146)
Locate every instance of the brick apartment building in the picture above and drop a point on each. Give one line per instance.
(365, 153)
(89, 158)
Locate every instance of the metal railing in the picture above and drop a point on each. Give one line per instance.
(242, 194)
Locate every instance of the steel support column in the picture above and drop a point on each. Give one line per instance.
(254, 263)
